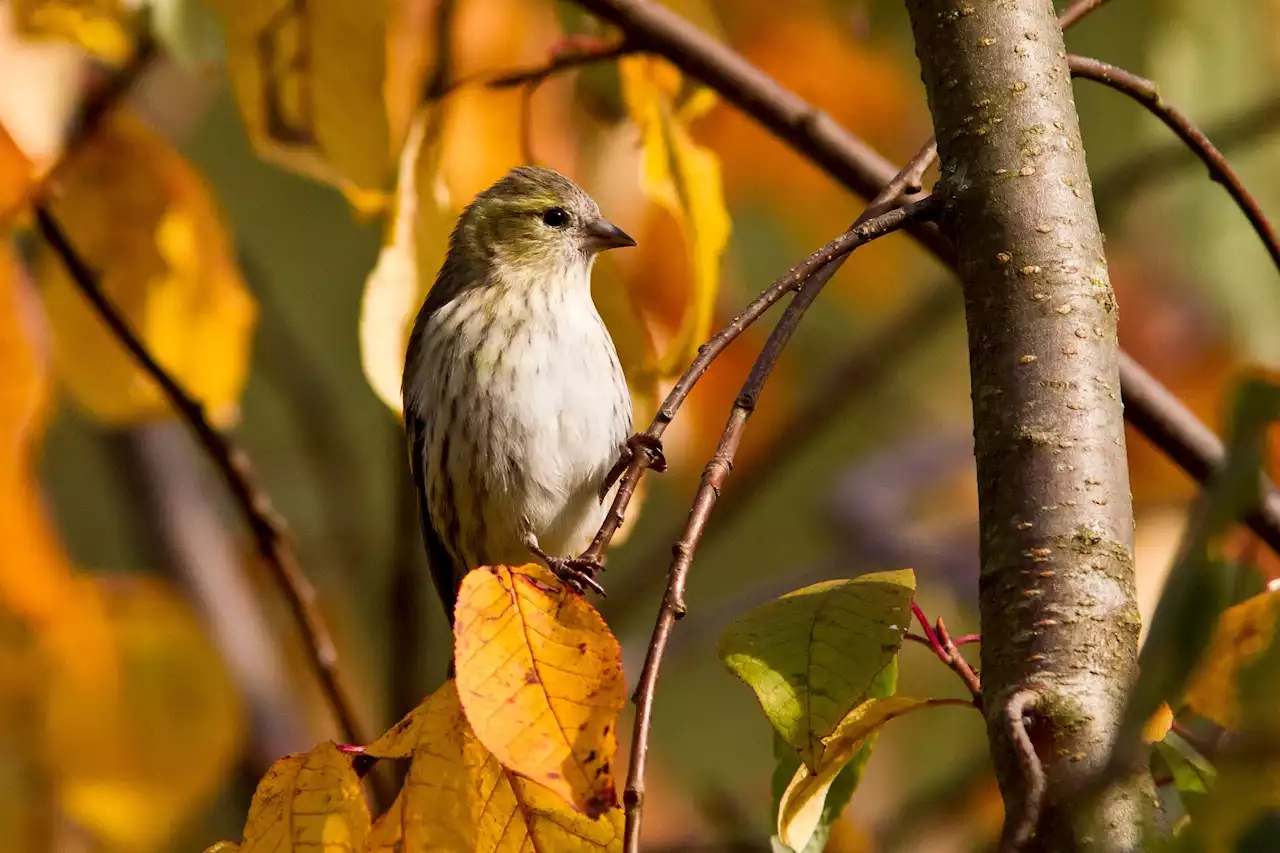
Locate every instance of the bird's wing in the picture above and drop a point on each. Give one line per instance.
(443, 571)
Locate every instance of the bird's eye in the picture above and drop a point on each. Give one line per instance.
(556, 217)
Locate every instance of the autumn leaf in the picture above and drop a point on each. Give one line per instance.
(329, 89)
(802, 803)
(684, 178)
(136, 755)
(811, 655)
(1158, 724)
(540, 678)
(1243, 633)
(416, 244)
(308, 802)
(17, 174)
(142, 217)
(458, 798)
(99, 26)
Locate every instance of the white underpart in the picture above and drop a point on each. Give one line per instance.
(544, 411)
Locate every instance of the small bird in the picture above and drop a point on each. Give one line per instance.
(515, 403)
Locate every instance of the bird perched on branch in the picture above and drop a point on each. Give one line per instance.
(514, 401)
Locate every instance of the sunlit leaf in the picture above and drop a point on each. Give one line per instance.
(540, 677)
(458, 798)
(328, 89)
(16, 176)
(684, 178)
(1244, 632)
(141, 216)
(1192, 772)
(1158, 724)
(1197, 587)
(840, 791)
(811, 655)
(308, 802)
(802, 804)
(99, 26)
(137, 758)
(417, 240)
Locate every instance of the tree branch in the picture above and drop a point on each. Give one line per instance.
(812, 134)
(805, 276)
(1074, 13)
(241, 479)
(1055, 513)
(1147, 93)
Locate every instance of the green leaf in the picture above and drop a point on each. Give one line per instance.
(812, 655)
(846, 782)
(1199, 587)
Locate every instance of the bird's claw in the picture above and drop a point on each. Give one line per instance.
(640, 442)
(578, 573)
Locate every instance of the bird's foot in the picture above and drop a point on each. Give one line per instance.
(578, 573)
(640, 442)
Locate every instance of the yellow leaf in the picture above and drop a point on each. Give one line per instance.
(1158, 725)
(684, 178)
(1243, 632)
(328, 89)
(309, 802)
(99, 26)
(141, 216)
(801, 806)
(458, 798)
(17, 174)
(133, 760)
(540, 677)
(417, 240)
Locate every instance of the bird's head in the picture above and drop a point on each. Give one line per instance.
(536, 221)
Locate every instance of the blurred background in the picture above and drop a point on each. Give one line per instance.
(152, 671)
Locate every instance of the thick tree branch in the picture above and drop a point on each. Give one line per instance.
(653, 28)
(1057, 593)
(805, 276)
(1147, 93)
(241, 479)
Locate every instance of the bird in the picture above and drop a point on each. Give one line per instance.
(516, 408)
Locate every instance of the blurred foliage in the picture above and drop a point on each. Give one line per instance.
(128, 716)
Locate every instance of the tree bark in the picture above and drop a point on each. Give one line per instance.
(1059, 616)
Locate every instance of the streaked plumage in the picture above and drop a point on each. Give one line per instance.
(514, 400)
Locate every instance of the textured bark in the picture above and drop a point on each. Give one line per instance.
(1059, 615)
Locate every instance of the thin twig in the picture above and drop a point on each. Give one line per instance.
(575, 56)
(1019, 824)
(721, 464)
(1149, 406)
(1147, 93)
(956, 661)
(811, 266)
(241, 479)
(1072, 15)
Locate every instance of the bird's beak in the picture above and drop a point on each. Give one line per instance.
(603, 234)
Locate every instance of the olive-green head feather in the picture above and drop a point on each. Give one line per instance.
(535, 221)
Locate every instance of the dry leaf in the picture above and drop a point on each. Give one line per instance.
(458, 798)
(328, 89)
(417, 240)
(801, 805)
(1158, 725)
(540, 677)
(99, 26)
(684, 178)
(17, 174)
(1243, 632)
(141, 216)
(309, 802)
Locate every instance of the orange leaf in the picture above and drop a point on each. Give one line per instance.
(1244, 632)
(540, 678)
(1154, 730)
(458, 798)
(142, 217)
(17, 173)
